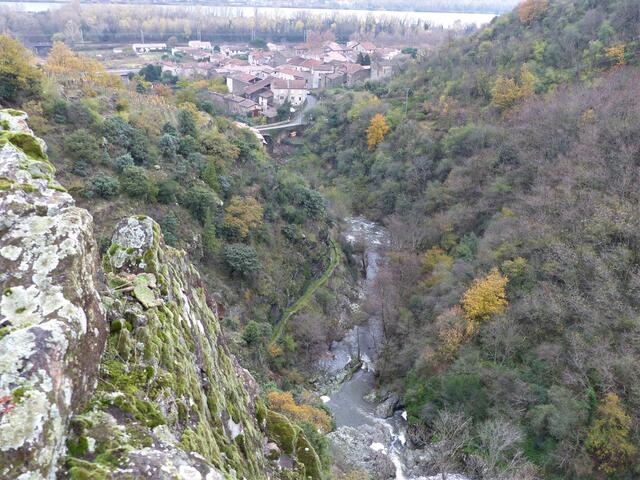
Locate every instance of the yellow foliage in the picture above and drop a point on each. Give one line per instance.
(284, 403)
(243, 215)
(530, 10)
(19, 65)
(72, 68)
(485, 298)
(506, 92)
(453, 330)
(616, 53)
(608, 437)
(376, 131)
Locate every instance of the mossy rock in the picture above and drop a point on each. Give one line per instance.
(306, 455)
(29, 144)
(6, 183)
(281, 431)
(13, 112)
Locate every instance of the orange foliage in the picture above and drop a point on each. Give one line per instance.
(530, 10)
(284, 403)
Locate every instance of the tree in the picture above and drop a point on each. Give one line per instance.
(485, 298)
(136, 183)
(241, 258)
(19, 76)
(210, 175)
(118, 132)
(252, 333)
(215, 144)
(616, 53)
(450, 436)
(167, 191)
(105, 186)
(83, 149)
(169, 146)
(284, 111)
(242, 215)
(123, 161)
(608, 438)
(505, 93)
(187, 123)
(378, 128)
(531, 10)
(201, 201)
(284, 403)
(140, 147)
(209, 239)
(71, 68)
(151, 73)
(170, 226)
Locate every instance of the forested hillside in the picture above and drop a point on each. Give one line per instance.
(505, 167)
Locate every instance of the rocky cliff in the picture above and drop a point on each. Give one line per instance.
(116, 370)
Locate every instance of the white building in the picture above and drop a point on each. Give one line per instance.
(139, 48)
(200, 44)
(293, 90)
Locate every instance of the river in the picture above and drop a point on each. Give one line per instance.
(444, 19)
(362, 436)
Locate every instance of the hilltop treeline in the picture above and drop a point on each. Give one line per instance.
(127, 23)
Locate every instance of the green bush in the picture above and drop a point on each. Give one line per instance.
(83, 149)
(241, 258)
(200, 201)
(105, 186)
(123, 161)
(136, 183)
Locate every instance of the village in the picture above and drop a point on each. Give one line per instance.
(261, 80)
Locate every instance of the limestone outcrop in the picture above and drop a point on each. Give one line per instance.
(52, 324)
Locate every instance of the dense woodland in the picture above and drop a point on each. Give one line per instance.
(505, 166)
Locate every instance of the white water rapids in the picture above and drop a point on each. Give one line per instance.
(347, 403)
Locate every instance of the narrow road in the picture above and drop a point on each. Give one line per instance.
(296, 121)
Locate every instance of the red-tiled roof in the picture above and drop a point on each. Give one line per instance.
(281, 84)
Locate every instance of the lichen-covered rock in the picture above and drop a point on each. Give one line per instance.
(52, 325)
(166, 380)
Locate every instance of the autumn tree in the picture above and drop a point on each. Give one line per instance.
(531, 10)
(506, 92)
(616, 53)
(19, 75)
(378, 128)
(71, 68)
(608, 438)
(284, 403)
(242, 215)
(485, 298)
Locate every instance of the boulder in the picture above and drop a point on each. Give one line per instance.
(386, 408)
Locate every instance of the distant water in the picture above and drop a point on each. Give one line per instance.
(434, 18)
